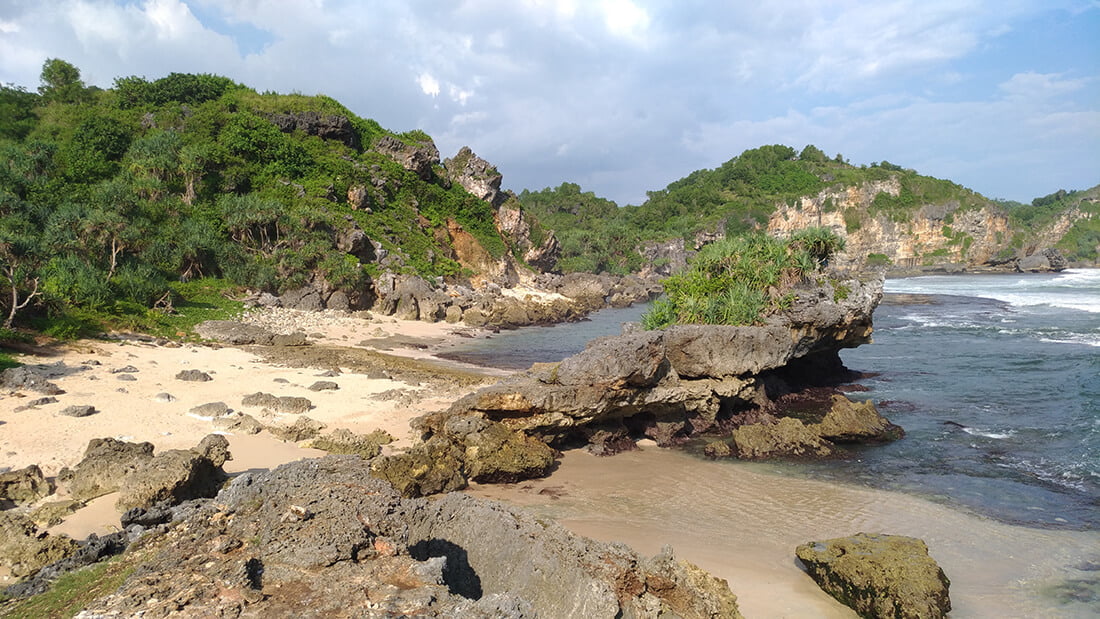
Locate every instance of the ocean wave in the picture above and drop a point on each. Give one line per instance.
(1073, 289)
(989, 434)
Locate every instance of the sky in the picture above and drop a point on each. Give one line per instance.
(626, 96)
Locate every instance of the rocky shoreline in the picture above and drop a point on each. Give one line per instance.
(668, 386)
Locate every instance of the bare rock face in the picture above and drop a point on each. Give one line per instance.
(319, 538)
(879, 575)
(1046, 261)
(418, 157)
(331, 127)
(477, 176)
(25, 485)
(105, 464)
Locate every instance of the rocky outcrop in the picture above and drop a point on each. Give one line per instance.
(879, 575)
(320, 538)
(475, 175)
(25, 485)
(417, 156)
(329, 127)
(689, 379)
(1045, 261)
(106, 462)
(933, 234)
(24, 549)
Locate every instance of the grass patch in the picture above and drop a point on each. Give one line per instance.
(72, 592)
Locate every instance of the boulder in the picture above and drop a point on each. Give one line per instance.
(495, 455)
(193, 376)
(105, 464)
(286, 404)
(25, 485)
(1045, 261)
(879, 575)
(210, 409)
(78, 410)
(432, 467)
(852, 422)
(176, 475)
(302, 429)
(788, 437)
(327, 126)
(238, 423)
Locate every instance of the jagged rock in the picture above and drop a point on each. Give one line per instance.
(233, 332)
(329, 127)
(105, 464)
(25, 485)
(176, 475)
(431, 467)
(24, 550)
(477, 176)
(788, 437)
(35, 403)
(419, 157)
(879, 575)
(210, 409)
(322, 538)
(193, 376)
(302, 429)
(28, 378)
(324, 385)
(307, 299)
(346, 442)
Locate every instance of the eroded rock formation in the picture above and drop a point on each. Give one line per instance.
(319, 538)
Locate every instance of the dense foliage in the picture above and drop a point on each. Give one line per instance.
(736, 197)
(1082, 241)
(107, 197)
(742, 279)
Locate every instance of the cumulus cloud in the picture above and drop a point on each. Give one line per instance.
(624, 96)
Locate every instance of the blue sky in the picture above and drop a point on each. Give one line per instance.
(625, 96)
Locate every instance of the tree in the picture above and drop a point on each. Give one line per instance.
(61, 82)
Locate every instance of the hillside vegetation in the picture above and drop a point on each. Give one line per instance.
(110, 198)
(749, 191)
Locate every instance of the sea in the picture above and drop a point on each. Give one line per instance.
(994, 377)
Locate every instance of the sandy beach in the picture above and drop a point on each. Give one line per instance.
(738, 523)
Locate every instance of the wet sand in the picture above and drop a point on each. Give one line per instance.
(744, 525)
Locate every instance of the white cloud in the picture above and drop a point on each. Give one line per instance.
(624, 18)
(428, 84)
(1033, 85)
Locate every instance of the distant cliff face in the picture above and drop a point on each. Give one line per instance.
(928, 235)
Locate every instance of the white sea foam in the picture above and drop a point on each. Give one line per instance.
(988, 434)
(1077, 289)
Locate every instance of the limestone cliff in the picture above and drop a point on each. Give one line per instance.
(933, 234)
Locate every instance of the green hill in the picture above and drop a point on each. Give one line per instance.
(888, 214)
(110, 198)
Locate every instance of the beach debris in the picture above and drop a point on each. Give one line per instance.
(194, 376)
(879, 575)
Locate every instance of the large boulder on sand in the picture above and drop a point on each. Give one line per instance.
(879, 575)
(432, 467)
(176, 475)
(788, 437)
(105, 464)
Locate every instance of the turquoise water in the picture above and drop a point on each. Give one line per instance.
(995, 378)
